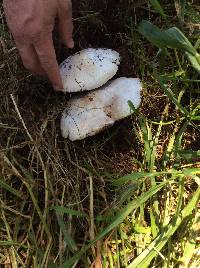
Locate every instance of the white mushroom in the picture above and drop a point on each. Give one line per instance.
(87, 115)
(89, 69)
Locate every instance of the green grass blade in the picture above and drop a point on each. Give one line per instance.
(139, 175)
(154, 227)
(133, 177)
(116, 221)
(192, 243)
(10, 189)
(194, 60)
(157, 6)
(145, 258)
(178, 140)
(68, 239)
(64, 210)
(171, 95)
(188, 154)
(191, 171)
(7, 243)
(144, 132)
(180, 8)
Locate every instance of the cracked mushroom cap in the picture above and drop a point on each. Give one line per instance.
(88, 115)
(89, 69)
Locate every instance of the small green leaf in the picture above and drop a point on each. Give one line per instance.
(157, 6)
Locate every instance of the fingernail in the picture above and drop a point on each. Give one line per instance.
(58, 88)
(71, 43)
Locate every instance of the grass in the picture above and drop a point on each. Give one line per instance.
(127, 197)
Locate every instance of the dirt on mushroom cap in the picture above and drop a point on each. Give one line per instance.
(89, 69)
(88, 115)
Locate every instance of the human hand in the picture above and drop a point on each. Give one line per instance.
(31, 23)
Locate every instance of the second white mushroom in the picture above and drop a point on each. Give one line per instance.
(86, 116)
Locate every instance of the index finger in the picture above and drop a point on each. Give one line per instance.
(47, 57)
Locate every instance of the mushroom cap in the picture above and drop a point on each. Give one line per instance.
(89, 69)
(88, 115)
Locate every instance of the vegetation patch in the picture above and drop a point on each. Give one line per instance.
(127, 197)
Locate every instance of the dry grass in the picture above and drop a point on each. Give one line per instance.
(56, 195)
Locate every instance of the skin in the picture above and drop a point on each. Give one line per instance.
(31, 23)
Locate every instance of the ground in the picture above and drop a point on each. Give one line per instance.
(57, 196)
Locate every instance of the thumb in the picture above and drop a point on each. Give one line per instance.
(65, 23)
